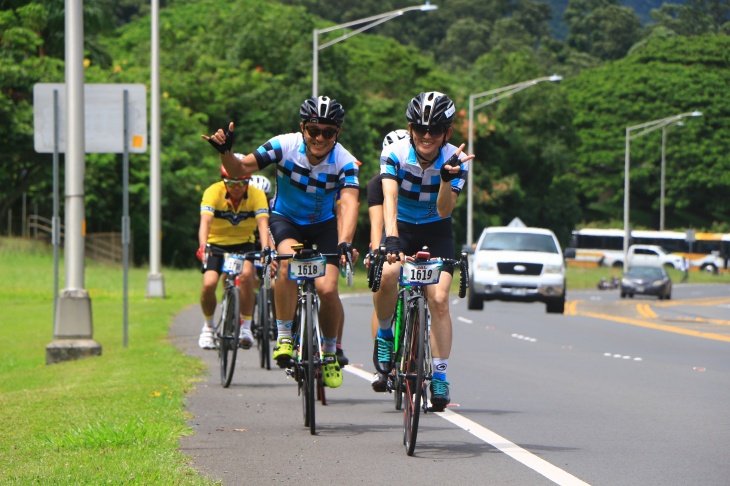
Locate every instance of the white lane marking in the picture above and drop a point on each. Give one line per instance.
(621, 356)
(355, 370)
(553, 473)
(464, 319)
(516, 452)
(524, 338)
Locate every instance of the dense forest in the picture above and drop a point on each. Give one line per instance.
(552, 154)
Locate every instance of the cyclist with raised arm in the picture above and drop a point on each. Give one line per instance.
(311, 168)
(421, 179)
(230, 213)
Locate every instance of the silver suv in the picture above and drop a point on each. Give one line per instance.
(518, 264)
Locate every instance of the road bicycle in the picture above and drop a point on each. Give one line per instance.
(263, 325)
(411, 360)
(306, 265)
(227, 329)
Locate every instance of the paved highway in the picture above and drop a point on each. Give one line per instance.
(614, 392)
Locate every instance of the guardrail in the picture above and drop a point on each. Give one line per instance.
(101, 247)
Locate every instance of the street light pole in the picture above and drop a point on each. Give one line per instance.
(500, 94)
(663, 172)
(645, 128)
(369, 21)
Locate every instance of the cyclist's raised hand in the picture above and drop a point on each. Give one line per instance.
(221, 140)
(451, 169)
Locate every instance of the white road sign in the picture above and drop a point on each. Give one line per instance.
(103, 114)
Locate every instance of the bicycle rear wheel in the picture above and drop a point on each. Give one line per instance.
(400, 342)
(318, 358)
(228, 334)
(263, 322)
(414, 371)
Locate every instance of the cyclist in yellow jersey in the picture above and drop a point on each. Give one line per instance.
(230, 212)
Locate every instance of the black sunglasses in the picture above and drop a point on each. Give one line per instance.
(327, 133)
(236, 182)
(435, 130)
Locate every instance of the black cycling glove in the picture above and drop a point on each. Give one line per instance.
(447, 176)
(392, 245)
(345, 249)
(226, 146)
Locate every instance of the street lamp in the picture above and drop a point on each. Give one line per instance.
(371, 22)
(663, 172)
(501, 93)
(645, 128)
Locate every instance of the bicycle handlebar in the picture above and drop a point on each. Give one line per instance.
(379, 259)
(347, 271)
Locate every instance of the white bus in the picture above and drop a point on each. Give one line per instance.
(709, 251)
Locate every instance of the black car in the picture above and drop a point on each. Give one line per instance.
(646, 280)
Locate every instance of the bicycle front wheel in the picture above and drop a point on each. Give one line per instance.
(310, 343)
(413, 372)
(228, 334)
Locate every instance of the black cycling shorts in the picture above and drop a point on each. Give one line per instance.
(375, 191)
(437, 236)
(323, 234)
(216, 255)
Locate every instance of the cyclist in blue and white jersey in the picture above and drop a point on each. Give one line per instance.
(311, 168)
(422, 177)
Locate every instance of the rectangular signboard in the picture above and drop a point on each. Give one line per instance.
(103, 117)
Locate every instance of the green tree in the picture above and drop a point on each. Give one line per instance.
(663, 78)
(23, 170)
(601, 28)
(695, 17)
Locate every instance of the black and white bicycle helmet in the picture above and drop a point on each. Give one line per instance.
(431, 108)
(394, 136)
(261, 182)
(322, 109)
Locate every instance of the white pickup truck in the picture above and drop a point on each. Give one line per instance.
(644, 255)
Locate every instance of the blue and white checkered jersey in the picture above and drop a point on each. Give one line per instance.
(305, 193)
(418, 188)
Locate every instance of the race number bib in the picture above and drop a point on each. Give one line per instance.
(308, 268)
(421, 273)
(233, 264)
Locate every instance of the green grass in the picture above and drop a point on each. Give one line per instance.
(112, 419)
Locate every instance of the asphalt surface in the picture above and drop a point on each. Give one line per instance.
(616, 391)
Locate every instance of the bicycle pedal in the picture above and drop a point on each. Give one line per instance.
(285, 363)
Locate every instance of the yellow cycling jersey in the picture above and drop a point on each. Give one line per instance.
(233, 226)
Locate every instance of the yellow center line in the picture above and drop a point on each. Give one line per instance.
(700, 302)
(570, 307)
(700, 320)
(645, 311)
(660, 327)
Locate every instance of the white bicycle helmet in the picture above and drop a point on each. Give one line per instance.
(262, 183)
(394, 136)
